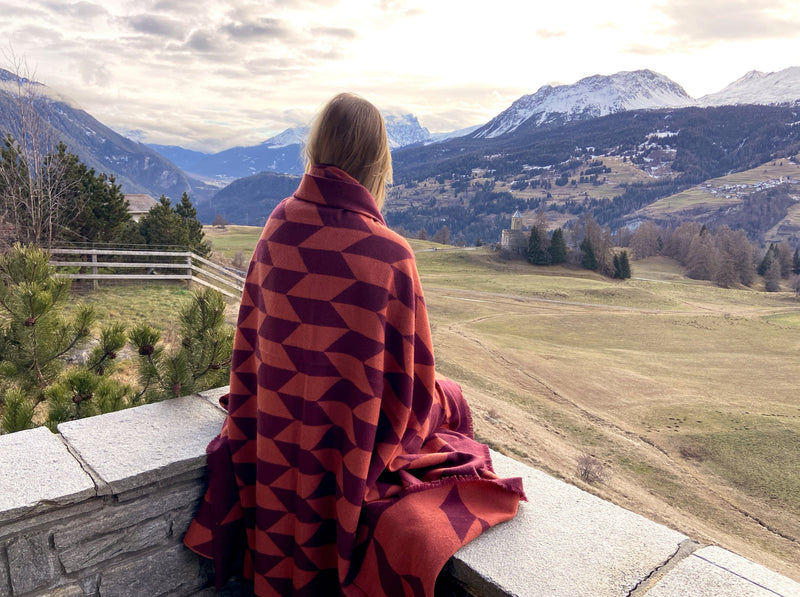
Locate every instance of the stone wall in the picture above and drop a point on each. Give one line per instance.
(100, 508)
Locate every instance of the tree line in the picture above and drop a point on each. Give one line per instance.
(55, 199)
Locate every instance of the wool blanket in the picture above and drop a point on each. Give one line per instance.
(344, 466)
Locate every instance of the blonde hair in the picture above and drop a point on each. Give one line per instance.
(350, 134)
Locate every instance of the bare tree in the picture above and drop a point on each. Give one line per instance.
(35, 191)
(645, 242)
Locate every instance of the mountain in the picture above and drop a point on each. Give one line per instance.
(758, 88)
(590, 97)
(249, 200)
(404, 130)
(136, 167)
(282, 153)
(185, 159)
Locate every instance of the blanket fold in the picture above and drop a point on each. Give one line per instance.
(345, 466)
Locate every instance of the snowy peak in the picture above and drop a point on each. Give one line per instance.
(758, 88)
(404, 129)
(590, 97)
(293, 136)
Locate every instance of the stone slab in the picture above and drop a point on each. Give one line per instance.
(133, 447)
(214, 395)
(563, 542)
(713, 571)
(28, 460)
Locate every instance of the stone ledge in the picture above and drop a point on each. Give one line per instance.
(29, 461)
(138, 446)
(567, 542)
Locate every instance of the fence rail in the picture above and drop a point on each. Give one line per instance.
(191, 267)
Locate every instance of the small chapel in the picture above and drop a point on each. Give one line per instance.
(513, 239)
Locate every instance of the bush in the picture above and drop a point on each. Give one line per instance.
(591, 470)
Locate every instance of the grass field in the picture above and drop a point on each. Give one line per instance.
(686, 392)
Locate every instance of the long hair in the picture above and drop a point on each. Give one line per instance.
(350, 134)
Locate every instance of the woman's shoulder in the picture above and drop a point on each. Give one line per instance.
(386, 243)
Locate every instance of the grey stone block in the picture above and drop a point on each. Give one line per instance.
(5, 581)
(28, 461)
(743, 567)
(171, 484)
(70, 590)
(713, 572)
(564, 542)
(32, 563)
(77, 556)
(49, 516)
(175, 571)
(114, 518)
(214, 395)
(142, 445)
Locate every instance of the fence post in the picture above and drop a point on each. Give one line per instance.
(189, 271)
(95, 282)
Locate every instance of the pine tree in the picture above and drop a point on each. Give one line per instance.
(34, 335)
(624, 266)
(772, 277)
(558, 247)
(770, 256)
(796, 262)
(617, 267)
(202, 359)
(588, 261)
(34, 340)
(194, 229)
(537, 254)
(162, 226)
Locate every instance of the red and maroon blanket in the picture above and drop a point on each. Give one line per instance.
(344, 467)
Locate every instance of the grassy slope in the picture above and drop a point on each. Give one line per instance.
(686, 391)
(701, 197)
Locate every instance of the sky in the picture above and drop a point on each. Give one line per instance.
(211, 74)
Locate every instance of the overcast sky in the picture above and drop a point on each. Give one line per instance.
(210, 74)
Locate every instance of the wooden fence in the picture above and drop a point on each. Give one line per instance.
(149, 265)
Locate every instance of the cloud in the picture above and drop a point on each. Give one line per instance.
(204, 41)
(703, 23)
(399, 8)
(156, 25)
(337, 32)
(545, 34)
(263, 28)
(645, 50)
(78, 10)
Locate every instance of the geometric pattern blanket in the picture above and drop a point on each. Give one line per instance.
(344, 466)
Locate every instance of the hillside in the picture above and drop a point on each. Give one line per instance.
(136, 167)
(683, 391)
(610, 167)
(263, 192)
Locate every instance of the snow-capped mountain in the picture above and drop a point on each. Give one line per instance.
(758, 88)
(404, 130)
(590, 97)
(282, 153)
(439, 137)
(293, 136)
